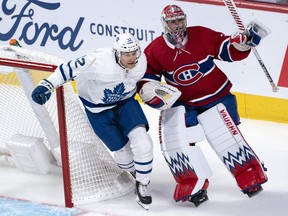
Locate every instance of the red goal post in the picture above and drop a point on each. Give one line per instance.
(88, 169)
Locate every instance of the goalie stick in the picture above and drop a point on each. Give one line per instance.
(233, 10)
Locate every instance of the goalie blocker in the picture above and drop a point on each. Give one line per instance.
(187, 162)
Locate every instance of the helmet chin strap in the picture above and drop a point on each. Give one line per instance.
(117, 58)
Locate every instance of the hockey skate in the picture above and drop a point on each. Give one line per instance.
(142, 195)
(254, 191)
(199, 198)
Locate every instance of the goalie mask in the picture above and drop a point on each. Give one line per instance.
(126, 43)
(173, 13)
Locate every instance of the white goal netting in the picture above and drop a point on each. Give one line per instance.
(94, 175)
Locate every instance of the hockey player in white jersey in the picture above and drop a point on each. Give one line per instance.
(106, 84)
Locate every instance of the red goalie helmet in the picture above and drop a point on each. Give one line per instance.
(171, 13)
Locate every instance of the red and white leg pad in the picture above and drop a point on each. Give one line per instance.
(187, 163)
(227, 141)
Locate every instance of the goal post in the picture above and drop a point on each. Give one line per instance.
(56, 135)
(64, 147)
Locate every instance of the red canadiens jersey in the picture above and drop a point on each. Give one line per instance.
(192, 69)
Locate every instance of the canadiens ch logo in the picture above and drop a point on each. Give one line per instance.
(187, 74)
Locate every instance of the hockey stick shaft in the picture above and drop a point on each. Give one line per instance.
(233, 10)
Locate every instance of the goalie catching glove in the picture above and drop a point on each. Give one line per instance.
(251, 37)
(42, 92)
(159, 96)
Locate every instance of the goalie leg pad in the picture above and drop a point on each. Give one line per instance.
(190, 170)
(227, 141)
(187, 163)
(173, 131)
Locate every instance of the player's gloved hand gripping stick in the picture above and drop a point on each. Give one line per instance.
(42, 92)
(256, 28)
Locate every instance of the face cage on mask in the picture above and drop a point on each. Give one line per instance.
(178, 34)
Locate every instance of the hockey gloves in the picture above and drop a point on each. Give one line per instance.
(239, 40)
(159, 96)
(42, 92)
(251, 37)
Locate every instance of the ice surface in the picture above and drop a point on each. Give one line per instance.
(268, 139)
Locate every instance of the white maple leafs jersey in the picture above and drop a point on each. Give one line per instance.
(101, 82)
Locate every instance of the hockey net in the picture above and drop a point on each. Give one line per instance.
(88, 169)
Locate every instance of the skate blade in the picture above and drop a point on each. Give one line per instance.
(144, 206)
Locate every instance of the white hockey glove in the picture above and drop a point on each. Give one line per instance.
(251, 37)
(159, 96)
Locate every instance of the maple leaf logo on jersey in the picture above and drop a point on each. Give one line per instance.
(116, 95)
